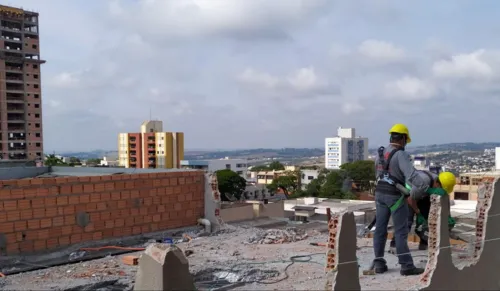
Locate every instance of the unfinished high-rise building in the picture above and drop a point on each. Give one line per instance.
(21, 132)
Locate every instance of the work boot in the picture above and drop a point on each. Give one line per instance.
(422, 247)
(379, 266)
(412, 272)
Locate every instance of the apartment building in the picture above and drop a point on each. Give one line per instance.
(151, 147)
(21, 131)
(239, 166)
(346, 147)
(468, 184)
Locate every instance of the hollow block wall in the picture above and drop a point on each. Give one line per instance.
(47, 213)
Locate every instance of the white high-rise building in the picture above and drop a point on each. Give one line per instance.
(346, 147)
(497, 158)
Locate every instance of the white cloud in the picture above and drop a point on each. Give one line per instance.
(464, 66)
(352, 107)
(410, 89)
(381, 51)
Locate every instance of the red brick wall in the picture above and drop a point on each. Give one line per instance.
(40, 214)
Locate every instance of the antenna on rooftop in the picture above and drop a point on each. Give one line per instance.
(150, 113)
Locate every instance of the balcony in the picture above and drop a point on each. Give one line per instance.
(15, 118)
(15, 108)
(17, 136)
(17, 156)
(13, 67)
(15, 127)
(14, 88)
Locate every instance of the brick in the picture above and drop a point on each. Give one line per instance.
(115, 196)
(63, 200)
(58, 221)
(99, 187)
(95, 179)
(84, 179)
(65, 189)
(6, 227)
(68, 210)
(87, 237)
(49, 201)
(43, 234)
(69, 220)
(40, 245)
(3, 216)
(97, 235)
(24, 203)
(53, 190)
(109, 224)
(106, 196)
(13, 215)
(45, 222)
(18, 226)
(5, 193)
(51, 212)
(73, 200)
(42, 192)
(89, 228)
(76, 189)
(30, 192)
(110, 186)
(33, 224)
(88, 188)
(52, 243)
(64, 241)
(66, 230)
(12, 248)
(130, 260)
(119, 185)
(84, 198)
(91, 206)
(101, 206)
(95, 197)
(26, 214)
(10, 205)
(119, 222)
(122, 204)
(26, 246)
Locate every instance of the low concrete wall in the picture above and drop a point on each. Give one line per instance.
(237, 213)
(269, 210)
(22, 172)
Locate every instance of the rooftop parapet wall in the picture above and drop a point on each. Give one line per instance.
(480, 272)
(47, 213)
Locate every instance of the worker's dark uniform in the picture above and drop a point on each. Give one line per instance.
(398, 165)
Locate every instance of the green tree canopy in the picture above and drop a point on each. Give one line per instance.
(288, 183)
(231, 185)
(52, 160)
(273, 166)
(93, 161)
(361, 172)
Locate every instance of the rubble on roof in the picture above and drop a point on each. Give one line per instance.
(278, 236)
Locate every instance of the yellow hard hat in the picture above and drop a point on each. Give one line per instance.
(447, 181)
(401, 129)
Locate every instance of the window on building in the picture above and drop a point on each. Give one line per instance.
(240, 172)
(35, 66)
(34, 46)
(461, 196)
(37, 125)
(37, 115)
(228, 166)
(36, 86)
(38, 144)
(37, 105)
(39, 154)
(35, 76)
(37, 134)
(36, 96)
(310, 178)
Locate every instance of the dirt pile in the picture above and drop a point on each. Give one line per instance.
(277, 236)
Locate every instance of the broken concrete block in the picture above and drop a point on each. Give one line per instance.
(163, 267)
(481, 272)
(341, 253)
(130, 260)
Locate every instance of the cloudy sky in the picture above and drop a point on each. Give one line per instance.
(268, 73)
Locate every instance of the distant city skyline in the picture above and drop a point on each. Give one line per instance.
(250, 74)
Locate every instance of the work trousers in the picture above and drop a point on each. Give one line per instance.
(424, 206)
(400, 221)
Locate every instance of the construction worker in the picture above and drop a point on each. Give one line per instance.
(394, 167)
(422, 197)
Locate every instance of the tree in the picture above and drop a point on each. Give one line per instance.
(93, 161)
(273, 166)
(231, 185)
(361, 172)
(74, 161)
(288, 183)
(52, 160)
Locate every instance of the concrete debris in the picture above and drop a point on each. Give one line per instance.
(163, 267)
(77, 255)
(278, 236)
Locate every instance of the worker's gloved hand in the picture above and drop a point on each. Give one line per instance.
(420, 219)
(451, 222)
(437, 191)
